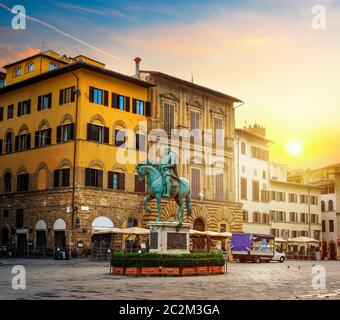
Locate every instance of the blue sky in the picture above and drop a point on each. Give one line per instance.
(261, 51)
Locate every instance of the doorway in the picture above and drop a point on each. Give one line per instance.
(199, 243)
(332, 251)
(41, 240)
(5, 237)
(21, 244)
(60, 240)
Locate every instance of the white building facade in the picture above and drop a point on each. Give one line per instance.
(271, 204)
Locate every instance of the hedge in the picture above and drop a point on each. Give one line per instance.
(166, 260)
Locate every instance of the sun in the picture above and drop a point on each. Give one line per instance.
(294, 147)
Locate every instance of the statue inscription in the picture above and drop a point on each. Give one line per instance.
(177, 241)
(153, 240)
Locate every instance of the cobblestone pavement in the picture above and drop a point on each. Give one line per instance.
(86, 279)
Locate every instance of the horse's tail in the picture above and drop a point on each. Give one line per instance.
(188, 204)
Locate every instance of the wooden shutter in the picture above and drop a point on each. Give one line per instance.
(89, 131)
(127, 104)
(110, 179)
(56, 178)
(61, 94)
(134, 105)
(106, 134)
(100, 179)
(65, 177)
(29, 141)
(49, 135)
(168, 118)
(36, 139)
(91, 98)
(72, 133)
(195, 180)
(147, 108)
(58, 134)
(19, 109)
(87, 177)
(1, 113)
(28, 106)
(50, 100)
(106, 98)
(121, 181)
(73, 93)
(1, 146)
(39, 103)
(114, 100)
(16, 143)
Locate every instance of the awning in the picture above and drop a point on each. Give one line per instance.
(302, 240)
(211, 234)
(281, 240)
(130, 231)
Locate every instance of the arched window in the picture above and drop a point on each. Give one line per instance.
(17, 72)
(8, 182)
(119, 136)
(322, 206)
(199, 225)
(330, 205)
(43, 135)
(30, 67)
(9, 142)
(23, 140)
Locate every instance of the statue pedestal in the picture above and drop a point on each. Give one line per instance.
(165, 238)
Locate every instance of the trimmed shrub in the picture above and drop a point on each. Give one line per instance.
(166, 260)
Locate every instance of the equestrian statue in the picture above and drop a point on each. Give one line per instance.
(163, 181)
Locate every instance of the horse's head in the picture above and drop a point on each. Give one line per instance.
(140, 168)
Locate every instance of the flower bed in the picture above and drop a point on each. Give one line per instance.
(153, 264)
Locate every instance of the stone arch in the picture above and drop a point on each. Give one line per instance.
(66, 118)
(140, 130)
(59, 225)
(7, 170)
(21, 169)
(98, 118)
(102, 222)
(119, 123)
(43, 123)
(23, 129)
(96, 163)
(65, 163)
(119, 168)
(202, 211)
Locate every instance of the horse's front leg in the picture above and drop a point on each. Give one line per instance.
(181, 209)
(158, 197)
(146, 200)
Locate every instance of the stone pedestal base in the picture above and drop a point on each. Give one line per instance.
(165, 237)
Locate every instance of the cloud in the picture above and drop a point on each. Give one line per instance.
(14, 53)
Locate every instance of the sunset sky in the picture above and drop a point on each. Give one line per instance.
(265, 53)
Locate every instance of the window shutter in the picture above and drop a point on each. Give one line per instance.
(106, 98)
(66, 177)
(121, 181)
(114, 100)
(147, 108)
(134, 105)
(50, 100)
(1, 113)
(139, 185)
(56, 181)
(100, 179)
(29, 141)
(87, 177)
(73, 93)
(1, 145)
(89, 131)
(110, 179)
(19, 109)
(61, 96)
(49, 135)
(36, 139)
(16, 144)
(106, 134)
(72, 131)
(58, 134)
(127, 104)
(91, 94)
(29, 106)
(39, 102)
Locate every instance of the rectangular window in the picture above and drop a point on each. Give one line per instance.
(264, 175)
(139, 184)
(43, 137)
(99, 96)
(292, 198)
(256, 191)
(323, 226)
(120, 137)
(138, 107)
(245, 216)
(168, 118)
(219, 187)
(120, 102)
(19, 218)
(265, 218)
(17, 72)
(1, 113)
(256, 217)
(218, 132)
(303, 198)
(67, 95)
(264, 196)
(52, 66)
(22, 182)
(22, 142)
(331, 225)
(45, 102)
(24, 108)
(140, 142)
(93, 178)
(30, 67)
(195, 125)
(62, 178)
(65, 133)
(244, 189)
(116, 180)
(293, 217)
(243, 148)
(10, 111)
(97, 133)
(195, 183)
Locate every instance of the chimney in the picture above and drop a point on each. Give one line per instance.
(137, 62)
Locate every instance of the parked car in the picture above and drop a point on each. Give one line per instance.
(279, 256)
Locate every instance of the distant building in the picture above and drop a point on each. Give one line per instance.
(271, 204)
(328, 179)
